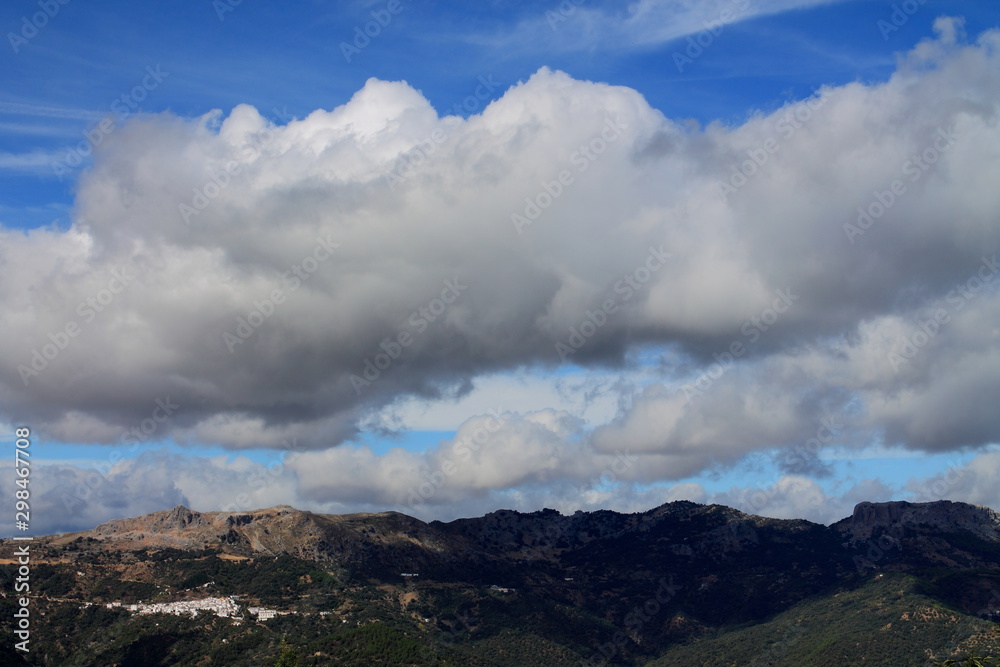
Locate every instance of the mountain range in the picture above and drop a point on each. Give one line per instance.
(896, 583)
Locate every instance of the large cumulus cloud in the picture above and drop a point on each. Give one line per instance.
(566, 213)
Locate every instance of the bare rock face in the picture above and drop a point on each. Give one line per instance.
(678, 536)
(177, 519)
(942, 515)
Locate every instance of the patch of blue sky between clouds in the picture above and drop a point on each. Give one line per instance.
(894, 467)
(410, 441)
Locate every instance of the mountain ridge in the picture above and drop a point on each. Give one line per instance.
(866, 516)
(680, 579)
(507, 529)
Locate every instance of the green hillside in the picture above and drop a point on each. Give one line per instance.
(887, 620)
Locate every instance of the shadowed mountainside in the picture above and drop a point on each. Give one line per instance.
(678, 579)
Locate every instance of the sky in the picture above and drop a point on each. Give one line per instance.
(444, 259)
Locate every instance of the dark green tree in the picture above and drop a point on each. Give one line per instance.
(289, 656)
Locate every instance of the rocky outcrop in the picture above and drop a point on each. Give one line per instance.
(939, 516)
(179, 518)
(674, 537)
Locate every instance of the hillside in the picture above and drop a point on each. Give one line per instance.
(679, 584)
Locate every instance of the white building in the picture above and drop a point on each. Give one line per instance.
(224, 607)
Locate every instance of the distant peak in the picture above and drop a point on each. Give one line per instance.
(894, 509)
(938, 514)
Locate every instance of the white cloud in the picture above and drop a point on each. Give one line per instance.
(974, 482)
(35, 162)
(344, 480)
(304, 266)
(577, 26)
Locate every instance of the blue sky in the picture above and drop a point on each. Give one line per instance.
(702, 86)
(289, 57)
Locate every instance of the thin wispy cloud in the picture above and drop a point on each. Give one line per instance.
(640, 25)
(34, 162)
(36, 130)
(37, 110)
